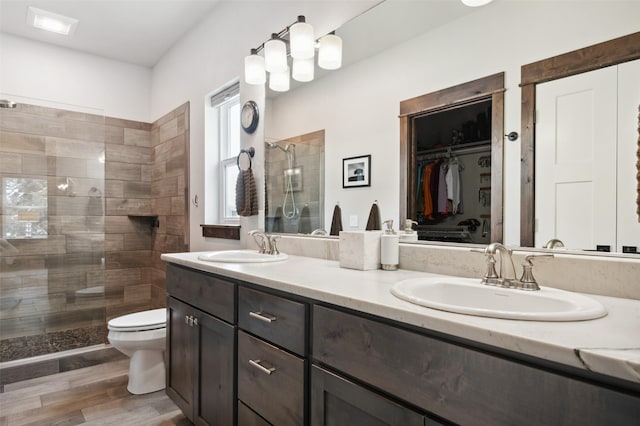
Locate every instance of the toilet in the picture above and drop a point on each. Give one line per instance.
(142, 337)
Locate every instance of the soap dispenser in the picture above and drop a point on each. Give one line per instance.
(389, 248)
(409, 234)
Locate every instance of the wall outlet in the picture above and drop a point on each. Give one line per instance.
(353, 220)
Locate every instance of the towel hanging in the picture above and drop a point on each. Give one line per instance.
(373, 223)
(304, 221)
(336, 221)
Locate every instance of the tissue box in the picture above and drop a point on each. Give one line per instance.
(360, 250)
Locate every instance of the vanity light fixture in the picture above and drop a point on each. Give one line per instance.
(476, 3)
(49, 21)
(298, 42)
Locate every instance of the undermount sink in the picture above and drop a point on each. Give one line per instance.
(242, 256)
(469, 296)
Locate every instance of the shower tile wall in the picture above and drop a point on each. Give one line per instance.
(309, 156)
(170, 192)
(101, 257)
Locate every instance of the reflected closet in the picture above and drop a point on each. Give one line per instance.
(451, 149)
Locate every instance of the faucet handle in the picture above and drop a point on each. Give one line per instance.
(527, 281)
(273, 243)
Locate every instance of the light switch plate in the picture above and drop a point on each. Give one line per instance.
(353, 221)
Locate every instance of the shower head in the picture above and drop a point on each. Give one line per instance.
(5, 103)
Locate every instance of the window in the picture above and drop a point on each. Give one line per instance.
(24, 208)
(225, 134)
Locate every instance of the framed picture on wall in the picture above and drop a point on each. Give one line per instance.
(356, 171)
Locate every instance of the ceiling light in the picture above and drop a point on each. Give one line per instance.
(476, 3)
(50, 21)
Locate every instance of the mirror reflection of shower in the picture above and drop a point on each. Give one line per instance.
(289, 174)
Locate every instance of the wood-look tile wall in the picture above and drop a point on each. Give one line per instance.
(169, 190)
(100, 231)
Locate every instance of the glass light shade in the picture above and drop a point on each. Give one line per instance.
(302, 41)
(303, 69)
(275, 55)
(254, 72)
(330, 52)
(279, 81)
(476, 3)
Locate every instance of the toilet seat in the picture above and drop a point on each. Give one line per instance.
(139, 321)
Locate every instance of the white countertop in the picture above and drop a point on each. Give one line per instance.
(608, 345)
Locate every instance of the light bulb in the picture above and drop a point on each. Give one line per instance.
(303, 69)
(302, 40)
(275, 55)
(254, 72)
(330, 52)
(279, 81)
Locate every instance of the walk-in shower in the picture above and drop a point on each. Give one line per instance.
(291, 175)
(52, 224)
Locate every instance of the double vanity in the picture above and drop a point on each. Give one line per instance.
(300, 340)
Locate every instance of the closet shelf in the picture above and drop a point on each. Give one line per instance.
(466, 148)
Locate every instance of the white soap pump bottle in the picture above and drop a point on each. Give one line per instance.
(389, 248)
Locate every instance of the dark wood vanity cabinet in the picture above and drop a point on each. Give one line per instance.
(200, 346)
(272, 368)
(337, 401)
(295, 361)
(458, 383)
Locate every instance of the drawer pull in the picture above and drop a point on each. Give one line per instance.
(262, 316)
(256, 364)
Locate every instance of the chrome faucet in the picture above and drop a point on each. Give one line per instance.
(268, 244)
(553, 243)
(264, 245)
(492, 278)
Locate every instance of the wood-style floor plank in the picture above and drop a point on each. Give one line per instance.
(94, 395)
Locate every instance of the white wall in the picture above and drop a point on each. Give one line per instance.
(210, 56)
(359, 105)
(45, 74)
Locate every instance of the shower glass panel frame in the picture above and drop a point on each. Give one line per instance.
(52, 221)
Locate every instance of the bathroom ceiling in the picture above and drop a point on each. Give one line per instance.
(134, 31)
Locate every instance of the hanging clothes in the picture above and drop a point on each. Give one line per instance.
(453, 186)
(442, 191)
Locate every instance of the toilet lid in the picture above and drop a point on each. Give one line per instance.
(138, 321)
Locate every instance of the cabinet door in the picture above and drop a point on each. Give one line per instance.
(215, 365)
(336, 401)
(180, 355)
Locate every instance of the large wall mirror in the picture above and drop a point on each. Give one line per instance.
(401, 50)
(579, 144)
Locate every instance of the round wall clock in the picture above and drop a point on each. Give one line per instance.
(249, 116)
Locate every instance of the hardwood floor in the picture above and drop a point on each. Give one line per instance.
(94, 395)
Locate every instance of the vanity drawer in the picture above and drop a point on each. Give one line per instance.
(276, 319)
(270, 381)
(210, 294)
(460, 384)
